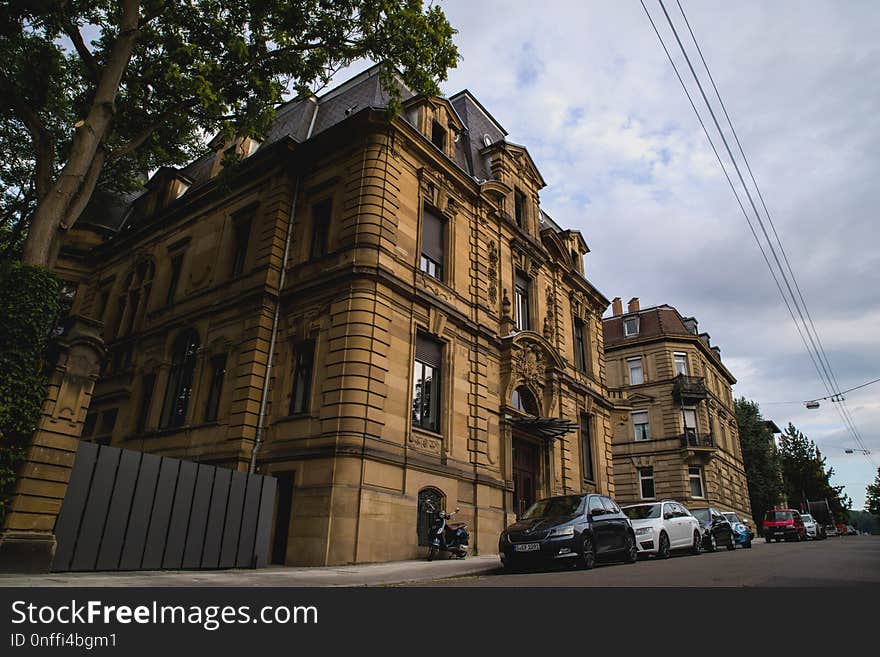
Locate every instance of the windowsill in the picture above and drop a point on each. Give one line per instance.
(427, 432)
(304, 415)
(156, 433)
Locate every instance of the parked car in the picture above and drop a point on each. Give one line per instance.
(831, 530)
(784, 524)
(582, 528)
(715, 527)
(852, 531)
(813, 529)
(661, 527)
(741, 534)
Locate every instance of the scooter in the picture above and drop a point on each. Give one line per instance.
(446, 537)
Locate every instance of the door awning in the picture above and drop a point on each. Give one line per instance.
(548, 428)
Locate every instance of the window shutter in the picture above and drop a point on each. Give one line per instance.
(428, 351)
(432, 236)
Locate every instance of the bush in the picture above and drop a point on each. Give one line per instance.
(29, 306)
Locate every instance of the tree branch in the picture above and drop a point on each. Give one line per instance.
(137, 141)
(44, 143)
(72, 31)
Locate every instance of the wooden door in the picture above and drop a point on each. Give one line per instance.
(525, 475)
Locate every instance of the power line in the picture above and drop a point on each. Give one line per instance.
(817, 353)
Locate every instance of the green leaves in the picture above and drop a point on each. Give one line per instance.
(29, 305)
(197, 67)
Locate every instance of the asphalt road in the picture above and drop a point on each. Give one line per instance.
(843, 561)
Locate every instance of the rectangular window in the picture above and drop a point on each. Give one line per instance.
(438, 136)
(587, 448)
(630, 326)
(301, 392)
(580, 345)
(426, 384)
(681, 363)
(320, 229)
(106, 426)
(641, 427)
(176, 266)
(519, 208)
(521, 299)
(636, 374)
(433, 244)
(218, 373)
(147, 386)
(695, 474)
(241, 228)
(689, 422)
(646, 483)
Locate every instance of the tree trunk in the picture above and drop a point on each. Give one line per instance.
(68, 195)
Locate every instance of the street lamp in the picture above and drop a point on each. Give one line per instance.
(853, 450)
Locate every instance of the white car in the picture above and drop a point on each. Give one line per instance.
(812, 527)
(664, 526)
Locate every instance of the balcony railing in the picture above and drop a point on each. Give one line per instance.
(689, 388)
(691, 438)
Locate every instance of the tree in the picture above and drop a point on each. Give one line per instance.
(805, 476)
(760, 459)
(94, 93)
(872, 496)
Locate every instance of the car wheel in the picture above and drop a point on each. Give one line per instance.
(713, 543)
(588, 554)
(731, 544)
(767, 539)
(697, 547)
(632, 552)
(663, 548)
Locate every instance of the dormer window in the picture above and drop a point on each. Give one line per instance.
(438, 136)
(630, 326)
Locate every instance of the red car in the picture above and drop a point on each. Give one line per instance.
(784, 524)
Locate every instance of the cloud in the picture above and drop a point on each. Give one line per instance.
(587, 88)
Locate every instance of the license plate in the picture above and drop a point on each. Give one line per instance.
(527, 547)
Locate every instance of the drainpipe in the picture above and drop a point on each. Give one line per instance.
(258, 439)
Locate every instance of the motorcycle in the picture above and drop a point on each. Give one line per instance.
(446, 537)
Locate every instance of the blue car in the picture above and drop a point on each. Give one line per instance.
(741, 534)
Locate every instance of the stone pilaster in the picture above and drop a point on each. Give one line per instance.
(27, 542)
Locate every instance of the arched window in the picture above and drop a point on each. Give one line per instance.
(523, 400)
(180, 380)
(431, 501)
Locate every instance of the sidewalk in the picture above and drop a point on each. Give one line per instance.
(374, 574)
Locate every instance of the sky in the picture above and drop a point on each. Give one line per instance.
(586, 87)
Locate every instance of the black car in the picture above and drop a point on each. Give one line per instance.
(583, 528)
(717, 529)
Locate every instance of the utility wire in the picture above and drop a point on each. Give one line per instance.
(829, 375)
(846, 414)
(826, 375)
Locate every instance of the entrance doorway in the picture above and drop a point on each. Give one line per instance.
(283, 507)
(525, 475)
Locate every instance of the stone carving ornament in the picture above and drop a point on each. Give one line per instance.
(493, 273)
(531, 365)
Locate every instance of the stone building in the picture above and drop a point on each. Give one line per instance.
(681, 440)
(374, 310)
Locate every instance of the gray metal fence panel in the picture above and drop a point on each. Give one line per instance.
(216, 518)
(179, 524)
(85, 555)
(141, 510)
(198, 517)
(125, 510)
(120, 509)
(70, 515)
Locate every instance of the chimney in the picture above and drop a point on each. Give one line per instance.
(616, 307)
(633, 305)
(717, 351)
